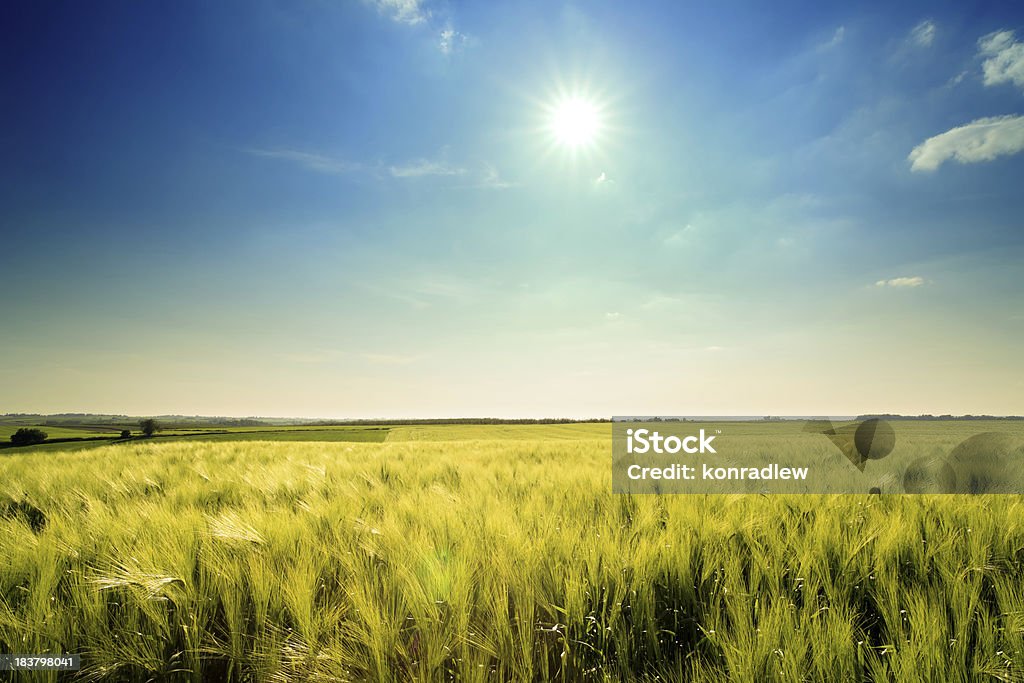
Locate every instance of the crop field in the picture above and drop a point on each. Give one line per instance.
(488, 553)
(90, 438)
(371, 434)
(55, 432)
(501, 432)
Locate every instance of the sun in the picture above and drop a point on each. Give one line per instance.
(575, 122)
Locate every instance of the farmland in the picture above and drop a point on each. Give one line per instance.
(477, 552)
(82, 436)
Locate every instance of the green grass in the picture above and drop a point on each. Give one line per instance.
(7, 429)
(488, 559)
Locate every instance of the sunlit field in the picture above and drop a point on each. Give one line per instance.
(487, 553)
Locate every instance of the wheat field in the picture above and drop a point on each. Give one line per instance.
(487, 559)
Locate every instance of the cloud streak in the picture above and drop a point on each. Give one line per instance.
(901, 282)
(923, 35)
(836, 40)
(487, 177)
(980, 140)
(419, 168)
(308, 160)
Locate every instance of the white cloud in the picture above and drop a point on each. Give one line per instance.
(416, 13)
(915, 281)
(1004, 58)
(956, 80)
(309, 160)
(923, 34)
(450, 40)
(409, 12)
(980, 140)
(425, 167)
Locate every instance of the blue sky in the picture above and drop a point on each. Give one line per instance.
(358, 209)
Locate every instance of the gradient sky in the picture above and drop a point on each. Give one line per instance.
(357, 209)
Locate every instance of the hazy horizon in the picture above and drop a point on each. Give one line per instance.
(508, 418)
(425, 208)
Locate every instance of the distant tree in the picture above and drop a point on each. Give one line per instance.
(26, 436)
(126, 433)
(149, 426)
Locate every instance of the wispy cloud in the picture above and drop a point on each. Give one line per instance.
(915, 281)
(308, 160)
(680, 237)
(410, 12)
(1004, 58)
(487, 177)
(923, 35)
(980, 140)
(416, 13)
(836, 40)
(450, 40)
(427, 289)
(492, 180)
(956, 80)
(417, 168)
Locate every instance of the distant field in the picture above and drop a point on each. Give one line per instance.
(269, 433)
(7, 429)
(469, 556)
(501, 432)
(371, 434)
